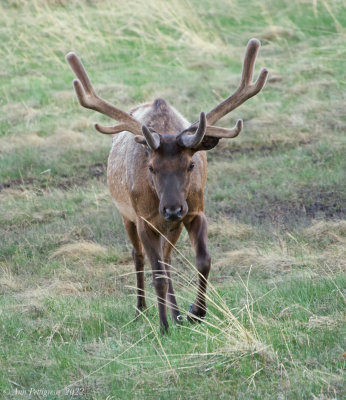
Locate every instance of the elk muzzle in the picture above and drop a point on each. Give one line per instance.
(173, 211)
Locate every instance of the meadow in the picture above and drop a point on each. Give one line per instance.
(275, 202)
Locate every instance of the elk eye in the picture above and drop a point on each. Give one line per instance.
(151, 169)
(191, 166)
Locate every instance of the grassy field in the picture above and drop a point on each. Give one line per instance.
(275, 199)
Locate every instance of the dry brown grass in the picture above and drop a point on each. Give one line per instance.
(9, 284)
(277, 32)
(22, 219)
(79, 250)
(229, 229)
(335, 231)
(96, 276)
(57, 287)
(278, 259)
(18, 112)
(31, 308)
(325, 322)
(8, 281)
(244, 258)
(334, 257)
(59, 141)
(67, 28)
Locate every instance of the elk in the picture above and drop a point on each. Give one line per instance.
(156, 173)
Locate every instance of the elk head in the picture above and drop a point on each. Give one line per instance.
(170, 157)
(170, 166)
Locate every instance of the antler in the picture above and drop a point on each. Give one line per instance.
(246, 90)
(194, 140)
(88, 98)
(152, 139)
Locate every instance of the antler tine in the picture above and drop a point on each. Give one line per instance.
(79, 70)
(218, 132)
(190, 141)
(249, 61)
(88, 98)
(110, 130)
(246, 89)
(153, 139)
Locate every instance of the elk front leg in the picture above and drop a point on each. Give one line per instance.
(167, 249)
(152, 243)
(197, 229)
(138, 259)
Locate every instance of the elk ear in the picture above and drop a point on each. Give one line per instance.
(141, 140)
(208, 143)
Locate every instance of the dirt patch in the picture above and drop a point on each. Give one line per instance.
(272, 146)
(310, 203)
(83, 173)
(87, 172)
(15, 219)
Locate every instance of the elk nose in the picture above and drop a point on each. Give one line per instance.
(173, 213)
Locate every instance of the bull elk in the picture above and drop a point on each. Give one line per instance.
(157, 170)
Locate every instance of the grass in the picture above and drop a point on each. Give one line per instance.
(275, 202)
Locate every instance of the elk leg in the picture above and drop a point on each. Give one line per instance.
(152, 243)
(197, 229)
(167, 249)
(138, 259)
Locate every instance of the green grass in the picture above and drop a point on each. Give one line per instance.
(275, 201)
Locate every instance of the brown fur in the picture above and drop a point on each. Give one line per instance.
(136, 193)
(157, 178)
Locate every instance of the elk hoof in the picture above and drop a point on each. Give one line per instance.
(196, 314)
(178, 319)
(140, 310)
(164, 328)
